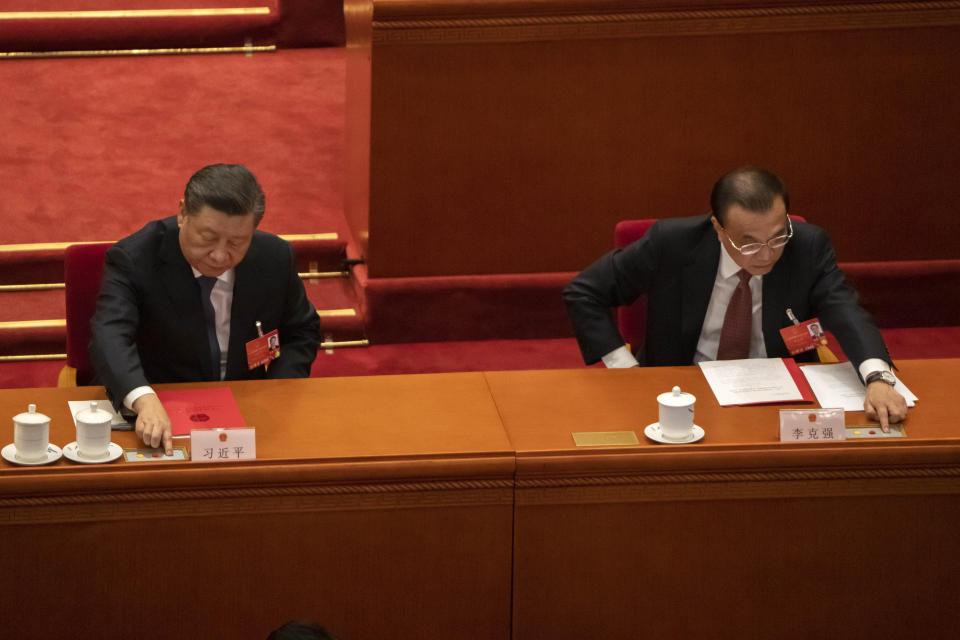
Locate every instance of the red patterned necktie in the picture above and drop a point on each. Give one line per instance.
(206, 288)
(738, 322)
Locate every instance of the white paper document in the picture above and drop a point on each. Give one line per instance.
(838, 385)
(751, 381)
(116, 420)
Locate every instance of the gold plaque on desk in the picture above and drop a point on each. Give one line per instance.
(605, 438)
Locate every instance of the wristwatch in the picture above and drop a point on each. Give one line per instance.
(881, 376)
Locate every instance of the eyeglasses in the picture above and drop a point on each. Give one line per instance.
(755, 247)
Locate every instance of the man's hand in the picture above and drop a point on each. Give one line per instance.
(884, 404)
(153, 424)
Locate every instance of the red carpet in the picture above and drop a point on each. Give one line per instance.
(20, 375)
(423, 357)
(32, 305)
(95, 147)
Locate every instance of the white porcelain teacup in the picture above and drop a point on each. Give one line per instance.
(676, 414)
(31, 435)
(93, 432)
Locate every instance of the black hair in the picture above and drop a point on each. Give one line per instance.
(296, 630)
(230, 188)
(752, 188)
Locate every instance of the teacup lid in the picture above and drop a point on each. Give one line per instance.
(31, 416)
(94, 415)
(676, 398)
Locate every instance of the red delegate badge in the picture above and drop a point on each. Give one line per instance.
(262, 350)
(804, 336)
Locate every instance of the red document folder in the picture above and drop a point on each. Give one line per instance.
(201, 409)
(800, 379)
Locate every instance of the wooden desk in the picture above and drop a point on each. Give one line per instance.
(738, 536)
(418, 506)
(379, 506)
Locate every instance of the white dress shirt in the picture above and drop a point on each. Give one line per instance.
(221, 297)
(723, 288)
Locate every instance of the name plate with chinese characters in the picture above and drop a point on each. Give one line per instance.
(812, 425)
(223, 445)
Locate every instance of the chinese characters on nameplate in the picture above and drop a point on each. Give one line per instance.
(812, 425)
(222, 445)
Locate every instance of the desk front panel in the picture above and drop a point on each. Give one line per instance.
(376, 505)
(737, 536)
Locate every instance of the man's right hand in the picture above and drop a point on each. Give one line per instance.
(884, 404)
(153, 424)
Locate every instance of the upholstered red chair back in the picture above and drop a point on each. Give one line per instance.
(632, 319)
(83, 270)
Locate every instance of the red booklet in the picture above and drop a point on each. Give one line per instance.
(800, 379)
(201, 409)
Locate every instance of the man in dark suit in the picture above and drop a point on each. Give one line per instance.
(181, 298)
(699, 273)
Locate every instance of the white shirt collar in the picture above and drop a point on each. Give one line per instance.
(728, 268)
(226, 277)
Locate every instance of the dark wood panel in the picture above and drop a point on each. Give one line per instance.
(375, 507)
(456, 506)
(739, 569)
(364, 573)
(520, 155)
(737, 536)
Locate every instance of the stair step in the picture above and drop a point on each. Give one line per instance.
(33, 337)
(19, 375)
(319, 258)
(320, 254)
(340, 312)
(339, 325)
(43, 339)
(165, 26)
(30, 305)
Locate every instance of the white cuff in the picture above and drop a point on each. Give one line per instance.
(619, 358)
(131, 397)
(872, 365)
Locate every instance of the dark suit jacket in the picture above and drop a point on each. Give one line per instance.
(149, 325)
(675, 264)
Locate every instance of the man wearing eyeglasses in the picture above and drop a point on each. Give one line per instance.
(719, 286)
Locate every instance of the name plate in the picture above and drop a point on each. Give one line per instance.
(222, 445)
(812, 425)
(604, 438)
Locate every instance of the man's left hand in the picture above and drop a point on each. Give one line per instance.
(884, 404)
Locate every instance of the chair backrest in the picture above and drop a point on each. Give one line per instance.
(82, 271)
(632, 319)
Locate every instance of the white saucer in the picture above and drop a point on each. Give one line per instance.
(9, 454)
(113, 452)
(652, 431)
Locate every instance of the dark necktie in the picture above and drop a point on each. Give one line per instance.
(206, 287)
(737, 322)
